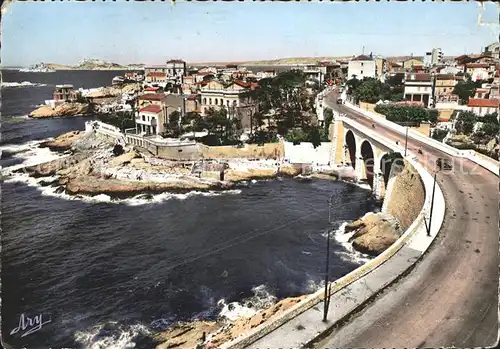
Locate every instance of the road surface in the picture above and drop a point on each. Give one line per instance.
(450, 298)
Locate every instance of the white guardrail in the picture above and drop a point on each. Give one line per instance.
(417, 228)
(481, 160)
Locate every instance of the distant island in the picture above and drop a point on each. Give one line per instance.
(97, 64)
(92, 64)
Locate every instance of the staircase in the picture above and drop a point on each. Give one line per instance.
(197, 168)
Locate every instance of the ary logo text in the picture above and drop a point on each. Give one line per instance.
(29, 325)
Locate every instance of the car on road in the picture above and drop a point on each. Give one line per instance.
(443, 164)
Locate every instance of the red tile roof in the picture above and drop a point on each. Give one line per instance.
(418, 77)
(477, 65)
(481, 102)
(362, 58)
(152, 97)
(152, 108)
(192, 97)
(157, 74)
(151, 88)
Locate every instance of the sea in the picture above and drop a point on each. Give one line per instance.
(100, 273)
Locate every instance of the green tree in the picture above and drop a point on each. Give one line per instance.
(328, 117)
(465, 122)
(369, 90)
(464, 90)
(173, 126)
(439, 134)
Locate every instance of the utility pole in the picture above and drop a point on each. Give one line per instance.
(327, 289)
(406, 140)
(432, 205)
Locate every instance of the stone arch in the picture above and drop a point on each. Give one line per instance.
(350, 144)
(387, 161)
(368, 156)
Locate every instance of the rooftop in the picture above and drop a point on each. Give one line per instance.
(481, 102)
(153, 97)
(418, 77)
(156, 74)
(362, 58)
(152, 108)
(176, 61)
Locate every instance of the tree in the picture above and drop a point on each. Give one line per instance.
(464, 90)
(353, 84)
(439, 134)
(173, 126)
(328, 117)
(465, 122)
(369, 91)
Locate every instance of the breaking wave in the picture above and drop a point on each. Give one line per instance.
(6, 84)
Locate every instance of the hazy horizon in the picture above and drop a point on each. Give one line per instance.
(151, 33)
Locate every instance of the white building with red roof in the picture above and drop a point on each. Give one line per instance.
(362, 67)
(482, 106)
(150, 120)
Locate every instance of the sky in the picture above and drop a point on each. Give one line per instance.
(153, 32)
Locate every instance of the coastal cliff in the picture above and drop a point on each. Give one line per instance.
(188, 335)
(94, 166)
(65, 109)
(373, 233)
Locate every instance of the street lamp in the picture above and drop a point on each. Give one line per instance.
(406, 140)
(428, 226)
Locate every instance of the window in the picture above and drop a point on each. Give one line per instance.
(210, 101)
(361, 72)
(143, 117)
(204, 101)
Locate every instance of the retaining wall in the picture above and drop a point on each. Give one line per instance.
(417, 226)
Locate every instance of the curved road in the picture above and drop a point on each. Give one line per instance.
(450, 298)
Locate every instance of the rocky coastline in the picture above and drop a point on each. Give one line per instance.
(62, 110)
(93, 166)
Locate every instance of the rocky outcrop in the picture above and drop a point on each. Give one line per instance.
(63, 142)
(188, 335)
(92, 185)
(65, 109)
(53, 167)
(374, 233)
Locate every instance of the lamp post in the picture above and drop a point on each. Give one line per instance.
(432, 205)
(327, 295)
(406, 140)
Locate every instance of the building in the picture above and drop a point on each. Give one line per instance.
(411, 63)
(266, 74)
(150, 120)
(380, 68)
(443, 88)
(418, 88)
(480, 71)
(155, 69)
(193, 103)
(482, 93)
(156, 78)
(64, 93)
(483, 106)
(154, 110)
(393, 67)
(232, 97)
(176, 68)
(362, 67)
(493, 50)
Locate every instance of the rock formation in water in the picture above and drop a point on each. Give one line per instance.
(374, 233)
(65, 109)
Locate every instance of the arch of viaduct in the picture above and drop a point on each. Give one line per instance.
(371, 158)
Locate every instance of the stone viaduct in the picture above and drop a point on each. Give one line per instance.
(370, 156)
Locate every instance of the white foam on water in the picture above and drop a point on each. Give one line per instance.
(349, 254)
(262, 299)
(121, 338)
(7, 84)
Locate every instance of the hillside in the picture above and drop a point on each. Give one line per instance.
(94, 64)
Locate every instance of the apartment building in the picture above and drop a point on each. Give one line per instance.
(362, 67)
(418, 88)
